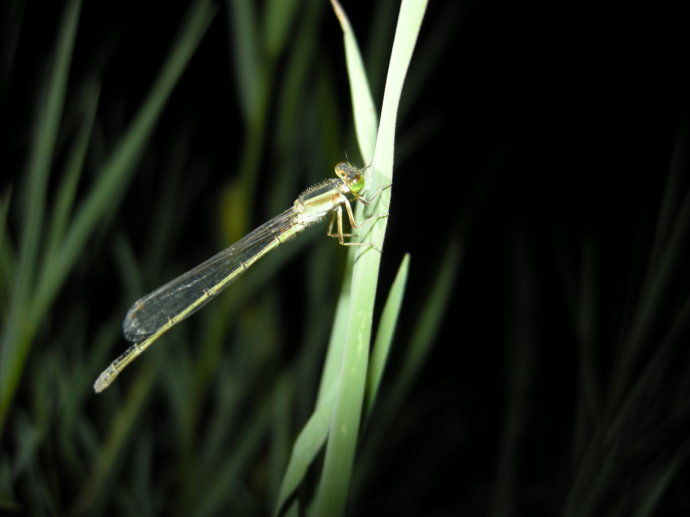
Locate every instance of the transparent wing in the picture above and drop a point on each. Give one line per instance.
(151, 312)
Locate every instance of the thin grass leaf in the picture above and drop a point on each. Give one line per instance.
(235, 382)
(99, 202)
(118, 169)
(330, 129)
(280, 436)
(334, 484)
(611, 439)
(363, 108)
(70, 177)
(120, 432)
(224, 415)
(656, 284)
(653, 497)
(318, 322)
(291, 108)
(361, 95)
(248, 59)
(336, 345)
(520, 365)
(670, 200)
(314, 434)
(278, 20)
(426, 329)
(254, 74)
(165, 213)
(29, 437)
(129, 270)
(422, 338)
(17, 332)
(230, 302)
(385, 332)
(307, 446)
(671, 228)
(248, 443)
(179, 389)
(12, 23)
(143, 500)
(74, 387)
(7, 265)
(651, 377)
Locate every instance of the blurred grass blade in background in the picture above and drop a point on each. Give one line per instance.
(6, 253)
(307, 445)
(120, 165)
(17, 332)
(67, 191)
(255, 59)
(61, 238)
(385, 332)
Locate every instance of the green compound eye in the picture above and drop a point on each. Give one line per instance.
(358, 183)
(350, 175)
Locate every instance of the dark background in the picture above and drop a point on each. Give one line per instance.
(548, 140)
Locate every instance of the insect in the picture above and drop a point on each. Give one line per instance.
(153, 315)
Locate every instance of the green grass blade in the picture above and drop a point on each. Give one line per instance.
(655, 286)
(99, 201)
(334, 485)
(10, 31)
(385, 332)
(336, 345)
(16, 336)
(226, 478)
(278, 19)
(120, 166)
(363, 107)
(246, 49)
(409, 23)
(293, 83)
(120, 432)
(254, 75)
(672, 192)
(422, 338)
(7, 259)
(652, 498)
(70, 177)
(429, 322)
(281, 419)
(307, 446)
